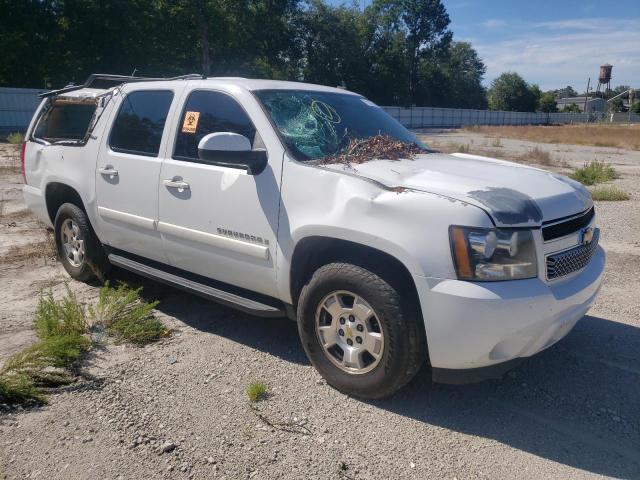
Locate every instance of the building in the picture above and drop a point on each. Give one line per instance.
(594, 104)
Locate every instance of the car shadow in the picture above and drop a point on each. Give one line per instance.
(577, 403)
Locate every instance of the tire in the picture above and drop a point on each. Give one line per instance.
(396, 322)
(84, 258)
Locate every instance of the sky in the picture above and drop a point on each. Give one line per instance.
(551, 43)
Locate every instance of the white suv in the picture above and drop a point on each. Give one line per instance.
(230, 188)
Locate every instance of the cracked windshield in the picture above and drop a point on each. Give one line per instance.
(314, 125)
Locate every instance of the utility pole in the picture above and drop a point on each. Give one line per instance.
(586, 96)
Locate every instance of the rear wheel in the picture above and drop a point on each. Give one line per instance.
(79, 250)
(357, 330)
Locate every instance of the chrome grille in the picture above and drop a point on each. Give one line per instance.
(570, 261)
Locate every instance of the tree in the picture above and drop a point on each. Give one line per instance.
(572, 108)
(547, 103)
(636, 107)
(510, 92)
(424, 25)
(565, 92)
(455, 81)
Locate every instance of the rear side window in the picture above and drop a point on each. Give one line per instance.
(140, 122)
(209, 112)
(65, 120)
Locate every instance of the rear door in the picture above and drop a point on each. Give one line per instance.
(223, 222)
(128, 169)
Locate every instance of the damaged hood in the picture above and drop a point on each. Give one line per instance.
(512, 194)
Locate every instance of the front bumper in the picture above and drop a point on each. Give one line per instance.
(477, 330)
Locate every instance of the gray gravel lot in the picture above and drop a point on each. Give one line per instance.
(178, 408)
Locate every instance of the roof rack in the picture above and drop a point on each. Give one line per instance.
(107, 81)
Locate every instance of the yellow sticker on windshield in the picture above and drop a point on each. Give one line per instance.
(190, 122)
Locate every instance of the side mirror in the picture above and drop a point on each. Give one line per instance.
(231, 150)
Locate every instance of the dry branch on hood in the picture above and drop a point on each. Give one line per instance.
(380, 147)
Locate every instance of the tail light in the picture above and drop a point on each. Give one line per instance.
(22, 168)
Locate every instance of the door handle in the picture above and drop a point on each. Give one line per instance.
(108, 171)
(179, 184)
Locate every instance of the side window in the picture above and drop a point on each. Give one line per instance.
(65, 120)
(209, 112)
(140, 122)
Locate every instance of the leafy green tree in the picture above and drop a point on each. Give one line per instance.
(565, 92)
(547, 103)
(572, 108)
(510, 92)
(455, 81)
(636, 107)
(424, 24)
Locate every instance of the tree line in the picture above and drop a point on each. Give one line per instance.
(395, 52)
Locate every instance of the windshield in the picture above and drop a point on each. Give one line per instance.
(314, 125)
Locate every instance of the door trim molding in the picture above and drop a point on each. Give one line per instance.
(238, 246)
(119, 216)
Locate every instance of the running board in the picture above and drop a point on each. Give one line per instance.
(253, 307)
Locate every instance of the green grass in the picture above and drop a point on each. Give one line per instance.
(594, 172)
(126, 316)
(609, 194)
(54, 358)
(256, 391)
(16, 138)
(62, 327)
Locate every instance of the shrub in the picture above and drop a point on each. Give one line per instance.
(538, 155)
(594, 172)
(609, 194)
(19, 388)
(126, 316)
(15, 138)
(256, 391)
(53, 318)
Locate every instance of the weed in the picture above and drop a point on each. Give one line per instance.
(594, 172)
(497, 143)
(56, 319)
(52, 360)
(19, 388)
(256, 391)
(537, 155)
(15, 138)
(609, 194)
(461, 147)
(126, 316)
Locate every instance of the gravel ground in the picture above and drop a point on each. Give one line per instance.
(178, 408)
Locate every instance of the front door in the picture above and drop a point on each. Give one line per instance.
(219, 222)
(127, 172)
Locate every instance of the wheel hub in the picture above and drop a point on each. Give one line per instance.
(72, 243)
(349, 332)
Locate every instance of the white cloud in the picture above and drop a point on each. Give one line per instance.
(567, 52)
(493, 23)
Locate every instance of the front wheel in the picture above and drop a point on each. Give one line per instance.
(358, 331)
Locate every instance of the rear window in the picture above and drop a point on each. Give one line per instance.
(140, 122)
(65, 120)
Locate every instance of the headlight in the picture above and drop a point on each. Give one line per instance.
(483, 254)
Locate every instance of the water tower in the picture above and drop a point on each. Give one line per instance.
(604, 81)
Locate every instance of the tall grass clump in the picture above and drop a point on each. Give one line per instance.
(15, 138)
(54, 359)
(62, 327)
(125, 316)
(609, 194)
(594, 172)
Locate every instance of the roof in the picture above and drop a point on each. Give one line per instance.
(578, 99)
(88, 87)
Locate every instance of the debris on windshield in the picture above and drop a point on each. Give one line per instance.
(380, 147)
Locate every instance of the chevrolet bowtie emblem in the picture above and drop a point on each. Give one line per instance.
(586, 236)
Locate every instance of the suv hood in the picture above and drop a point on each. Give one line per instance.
(512, 194)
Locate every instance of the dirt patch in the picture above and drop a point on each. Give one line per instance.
(380, 147)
